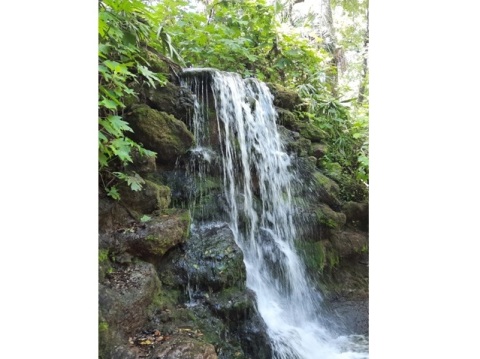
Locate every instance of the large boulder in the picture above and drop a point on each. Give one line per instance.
(172, 99)
(159, 132)
(283, 97)
(348, 243)
(213, 261)
(151, 197)
(124, 297)
(157, 236)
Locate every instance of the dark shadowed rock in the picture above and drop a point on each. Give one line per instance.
(357, 214)
(213, 260)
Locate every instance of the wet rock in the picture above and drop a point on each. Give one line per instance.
(213, 260)
(159, 132)
(141, 164)
(350, 316)
(294, 143)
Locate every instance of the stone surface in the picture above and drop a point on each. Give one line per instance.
(183, 347)
(151, 197)
(124, 297)
(159, 132)
(172, 99)
(212, 260)
(318, 150)
(157, 236)
(284, 98)
(349, 242)
(357, 214)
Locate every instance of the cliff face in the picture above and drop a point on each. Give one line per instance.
(168, 289)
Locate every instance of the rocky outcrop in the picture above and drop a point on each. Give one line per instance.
(124, 298)
(159, 132)
(187, 284)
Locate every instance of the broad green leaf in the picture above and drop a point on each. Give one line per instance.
(113, 192)
(111, 105)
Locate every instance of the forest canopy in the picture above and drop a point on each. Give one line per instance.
(320, 51)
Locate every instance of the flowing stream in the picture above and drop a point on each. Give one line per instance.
(257, 179)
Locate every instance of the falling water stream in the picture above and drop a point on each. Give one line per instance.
(257, 179)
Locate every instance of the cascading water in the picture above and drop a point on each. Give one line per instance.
(257, 180)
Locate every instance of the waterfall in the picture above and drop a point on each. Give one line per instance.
(257, 178)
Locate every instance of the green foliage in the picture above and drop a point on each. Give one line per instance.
(103, 255)
(240, 36)
(125, 33)
(145, 219)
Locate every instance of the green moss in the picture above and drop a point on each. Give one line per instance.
(313, 254)
(102, 326)
(103, 255)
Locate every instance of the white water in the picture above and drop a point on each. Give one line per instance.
(254, 162)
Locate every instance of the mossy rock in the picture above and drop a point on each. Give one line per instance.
(123, 301)
(326, 190)
(172, 99)
(283, 97)
(288, 119)
(318, 150)
(349, 242)
(329, 218)
(312, 132)
(294, 143)
(212, 259)
(160, 132)
(156, 237)
(156, 64)
(151, 197)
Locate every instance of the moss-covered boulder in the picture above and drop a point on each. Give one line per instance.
(328, 218)
(159, 132)
(283, 97)
(294, 143)
(349, 242)
(212, 259)
(318, 150)
(124, 296)
(327, 190)
(151, 197)
(154, 238)
(172, 99)
(300, 124)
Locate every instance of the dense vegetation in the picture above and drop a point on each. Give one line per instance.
(267, 40)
